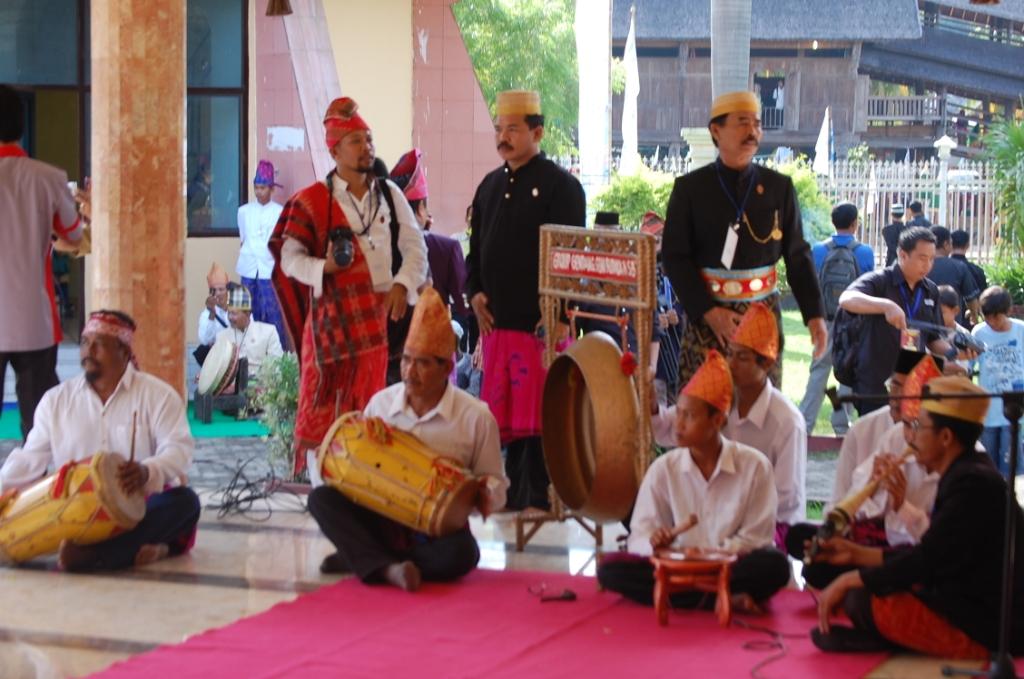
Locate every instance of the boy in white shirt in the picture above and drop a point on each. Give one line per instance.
(256, 222)
(729, 488)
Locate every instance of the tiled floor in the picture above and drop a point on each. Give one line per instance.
(54, 625)
(57, 625)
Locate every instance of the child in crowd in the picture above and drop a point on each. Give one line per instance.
(949, 305)
(1001, 369)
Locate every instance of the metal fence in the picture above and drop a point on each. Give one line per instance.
(968, 203)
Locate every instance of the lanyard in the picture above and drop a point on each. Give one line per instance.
(374, 205)
(741, 206)
(911, 310)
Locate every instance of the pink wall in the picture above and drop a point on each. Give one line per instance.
(278, 105)
(451, 123)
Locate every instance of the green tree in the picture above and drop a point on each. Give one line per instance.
(527, 44)
(633, 195)
(1004, 148)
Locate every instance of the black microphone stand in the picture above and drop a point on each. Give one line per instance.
(1001, 665)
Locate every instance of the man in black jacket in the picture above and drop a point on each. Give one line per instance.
(942, 596)
(510, 205)
(727, 226)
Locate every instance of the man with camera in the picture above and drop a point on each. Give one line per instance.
(333, 245)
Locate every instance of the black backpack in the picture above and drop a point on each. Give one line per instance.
(838, 270)
(847, 331)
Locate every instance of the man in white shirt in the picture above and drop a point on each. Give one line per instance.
(256, 221)
(336, 283)
(214, 316)
(726, 485)
(256, 341)
(762, 417)
(897, 514)
(94, 413)
(448, 421)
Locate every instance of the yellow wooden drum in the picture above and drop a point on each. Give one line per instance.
(83, 502)
(395, 474)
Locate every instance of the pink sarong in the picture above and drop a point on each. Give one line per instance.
(513, 382)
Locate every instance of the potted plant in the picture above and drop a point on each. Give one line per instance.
(277, 399)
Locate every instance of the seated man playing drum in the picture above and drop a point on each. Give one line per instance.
(710, 493)
(447, 420)
(113, 408)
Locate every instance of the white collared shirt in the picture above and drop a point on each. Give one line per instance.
(209, 328)
(459, 426)
(375, 243)
(257, 343)
(735, 508)
(71, 423)
(255, 225)
(873, 433)
(906, 525)
(776, 428)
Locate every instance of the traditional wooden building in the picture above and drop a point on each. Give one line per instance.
(806, 56)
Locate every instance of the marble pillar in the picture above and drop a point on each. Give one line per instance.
(138, 175)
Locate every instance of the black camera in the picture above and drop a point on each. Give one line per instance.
(344, 250)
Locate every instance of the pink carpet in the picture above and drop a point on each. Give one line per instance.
(488, 625)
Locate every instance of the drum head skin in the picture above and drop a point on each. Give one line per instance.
(126, 510)
(217, 365)
(591, 429)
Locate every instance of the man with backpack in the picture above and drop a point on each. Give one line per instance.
(840, 260)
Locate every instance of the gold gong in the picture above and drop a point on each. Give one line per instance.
(591, 429)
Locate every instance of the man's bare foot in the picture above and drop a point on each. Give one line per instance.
(403, 575)
(75, 558)
(744, 603)
(147, 554)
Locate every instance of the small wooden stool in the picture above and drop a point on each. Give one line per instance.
(703, 572)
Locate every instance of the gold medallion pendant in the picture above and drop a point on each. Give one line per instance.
(776, 233)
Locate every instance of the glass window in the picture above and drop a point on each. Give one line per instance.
(213, 162)
(215, 43)
(39, 42)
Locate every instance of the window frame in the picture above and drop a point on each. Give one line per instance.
(242, 93)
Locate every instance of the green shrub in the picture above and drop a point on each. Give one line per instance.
(815, 209)
(278, 397)
(632, 196)
(1008, 272)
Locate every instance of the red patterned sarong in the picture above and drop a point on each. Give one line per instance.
(904, 619)
(513, 382)
(343, 348)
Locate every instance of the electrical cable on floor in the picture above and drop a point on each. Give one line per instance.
(241, 494)
(777, 643)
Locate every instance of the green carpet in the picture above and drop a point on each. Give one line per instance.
(222, 425)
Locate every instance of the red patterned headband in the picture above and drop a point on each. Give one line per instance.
(100, 323)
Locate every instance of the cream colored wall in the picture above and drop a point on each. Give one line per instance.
(373, 50)
(200, 254)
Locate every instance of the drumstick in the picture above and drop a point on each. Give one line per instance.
(131, 455)
(690, 522)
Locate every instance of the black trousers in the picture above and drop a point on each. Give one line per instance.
(817, 575)
(35, 372)
(760, 574)
(527, 474)
(369, 542)
(171, 518)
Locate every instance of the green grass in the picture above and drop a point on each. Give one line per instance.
(796, 365)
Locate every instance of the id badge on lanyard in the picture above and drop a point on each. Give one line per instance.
(732, 238)
(911, 338)
(732, 234)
